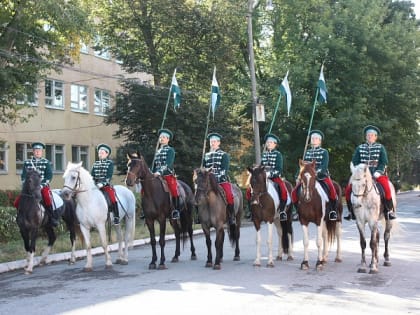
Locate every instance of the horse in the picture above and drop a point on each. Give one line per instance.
(366, 201)
(264, 203)
(212, 213)
(31, 217)
(311, 209)
(156, 204)
(92, 211)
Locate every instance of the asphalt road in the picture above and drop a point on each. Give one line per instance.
(187, 287)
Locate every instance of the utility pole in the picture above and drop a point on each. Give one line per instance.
(253, 84)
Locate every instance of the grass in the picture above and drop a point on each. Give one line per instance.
(14, 249)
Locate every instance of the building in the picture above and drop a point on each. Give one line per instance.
(69, 111)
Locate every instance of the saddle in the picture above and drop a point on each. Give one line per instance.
(324, 186)
(381, 191)
(222, 193)
(164, 184)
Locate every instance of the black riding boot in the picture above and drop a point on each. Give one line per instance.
(351, 215)
(231, 214)
(332, 210)
(114, 208)
(54, 220)
(389, 210)
(175, 212)
(282, 210)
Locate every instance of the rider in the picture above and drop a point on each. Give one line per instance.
(43, 166)
(102, 171)
(218, 160)
(374, 155)
(272, 159)
(163, 165)
(321, 157)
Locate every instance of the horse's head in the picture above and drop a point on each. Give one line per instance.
(74, 177)
(258, 182)
(204, 182)
(307, 177)
(361, 179)
(32, 184)
(136, 169)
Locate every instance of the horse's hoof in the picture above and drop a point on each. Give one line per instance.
(193, 257)
(236, 258)
(338, 260)
(373, 271)
(257, 264)
(217, 267)
(270, 265)
(152, 266)
(72, 262)
(118, 261)
(108, 267)
(387, 263)
(279, 258)
(88, 269)
(361, 270)
(319, 267)
(162, 267)
(208, 265)
(124, 262)
(290, 258)
(175, 260)
(28, 272)
(304, 265)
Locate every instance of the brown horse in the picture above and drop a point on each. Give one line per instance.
(311, 209)
(264, 204)
(212, 213)
(156, 204)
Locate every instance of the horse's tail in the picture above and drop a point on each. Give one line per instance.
(331, 230)
(79, 234)
(232, 234)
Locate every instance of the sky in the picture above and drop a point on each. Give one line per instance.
(417, 8)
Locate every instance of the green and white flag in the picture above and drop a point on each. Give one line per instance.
(215, 93)
(322, 96)
(285, 91)
(176, 92)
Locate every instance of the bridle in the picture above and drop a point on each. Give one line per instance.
(366, 191)
(76, 188)
(257, 195)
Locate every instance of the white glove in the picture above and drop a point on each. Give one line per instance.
(99, 185)
(157, 174)
(377, 174)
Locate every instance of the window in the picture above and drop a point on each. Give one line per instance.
(29, 98)
(3, 157)
(101, 52)
(55, 154)
(102, 102)
(84, 48)
(80, 154)
(23, 152)
(79, 98)
(54, 96)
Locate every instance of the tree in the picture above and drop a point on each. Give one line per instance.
(35, 38)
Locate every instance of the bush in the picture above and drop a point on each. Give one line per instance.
(7, 197)
(9, 230)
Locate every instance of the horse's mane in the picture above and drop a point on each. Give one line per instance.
(213, 182)
(359, 169)
(85, 176)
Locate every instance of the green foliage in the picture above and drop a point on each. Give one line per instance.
(8, 227)
(7, 197)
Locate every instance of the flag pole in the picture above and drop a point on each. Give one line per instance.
(310, 123)
(275, 113)
(163, 121)
(205, 136)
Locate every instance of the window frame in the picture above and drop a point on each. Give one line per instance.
(103, 109)
(79, 98)
(80, 152)
(51, 153)
(4, 160)
(54, 89)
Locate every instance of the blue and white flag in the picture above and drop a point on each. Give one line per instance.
(322, 95)
(215, 93)
(176, 92)
(285, 91)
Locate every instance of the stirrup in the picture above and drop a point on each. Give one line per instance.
(232, 221)
(332, 216)
(390, 215)
(116, 220)
(283, 216)
(175, 214)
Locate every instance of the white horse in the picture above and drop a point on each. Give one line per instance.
(366, 202)
(92, 211)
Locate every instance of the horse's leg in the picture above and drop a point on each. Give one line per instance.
(237, 236)
(220, 232)
(51, 240)
(270, 262)
(118, 231)
(361, 228)
(162, 230)
(72, 232)
(190, 234)
(86, 236)
(102, 235)
(387, 235)
(32, 246)
(305, 263)
(290, 240)
(325, 243)
(151, 228)
(177, 232)
(279, 231)
(374, 240)
(338, 232)
(209, 262)
(128, 237)
(319, 243)
(257, 261)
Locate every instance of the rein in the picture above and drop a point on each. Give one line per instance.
(365, 192)
(77, 184)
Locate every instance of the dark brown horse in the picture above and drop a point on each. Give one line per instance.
(264, 204)
(156, 204)
(31, 217)
(311, 209)
(212, 213)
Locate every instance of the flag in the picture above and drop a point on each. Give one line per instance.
(285, 91)
(176, 92)
(215, 93)
(322, 96)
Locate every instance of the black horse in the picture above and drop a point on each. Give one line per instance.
(156, 206)
(31, 216)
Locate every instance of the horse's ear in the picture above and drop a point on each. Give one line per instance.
(300, 163)
(352, 167)
(249, 169)
(79, 164)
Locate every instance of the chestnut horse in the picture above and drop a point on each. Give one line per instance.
(264, 204)
(368, 210)
(212, 213)
(156, 204)
(311, 209)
